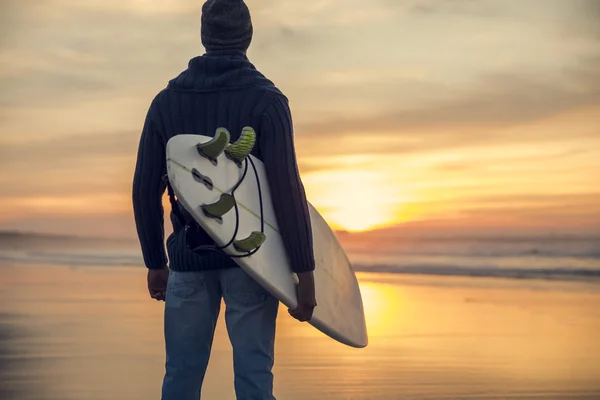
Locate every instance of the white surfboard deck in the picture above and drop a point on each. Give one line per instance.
(339, 312)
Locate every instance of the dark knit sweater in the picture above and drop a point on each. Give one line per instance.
(220, 89)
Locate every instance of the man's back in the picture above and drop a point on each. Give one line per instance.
(219, 89)
(222, 89)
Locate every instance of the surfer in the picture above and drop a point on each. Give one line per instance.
(220, 89)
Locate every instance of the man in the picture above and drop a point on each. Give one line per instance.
(220, 89)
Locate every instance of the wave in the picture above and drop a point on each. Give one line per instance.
(497, 253)
(87, 259)
(584, 248)
(560, 273)
(421, 266)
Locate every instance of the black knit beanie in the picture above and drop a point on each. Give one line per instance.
(226, 25)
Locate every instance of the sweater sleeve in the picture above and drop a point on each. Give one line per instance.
(276, 144)
(148, 188)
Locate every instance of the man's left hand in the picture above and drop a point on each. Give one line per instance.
(306, 297)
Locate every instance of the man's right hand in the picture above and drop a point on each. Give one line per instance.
(306, 297)
(157, 283)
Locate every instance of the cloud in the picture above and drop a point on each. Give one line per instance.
(278, 40)
(498, 100)
(71, 165)
(320, 13)
(68, 54)
(115, 225)
(582, 21)
(139, 7)
(574, 16)
(52, 88)
(129, 44)
(67, 150)
(6, 17)
(478, 8)
(574, 201)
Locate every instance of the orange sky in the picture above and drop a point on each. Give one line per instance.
(446, 114)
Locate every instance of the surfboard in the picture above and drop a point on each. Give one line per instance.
(200, 181)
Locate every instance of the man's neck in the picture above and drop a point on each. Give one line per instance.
(225, 52)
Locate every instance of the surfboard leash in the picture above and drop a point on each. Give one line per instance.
(221, 249)
(238, 152)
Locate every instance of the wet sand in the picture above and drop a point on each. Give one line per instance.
(92, 333)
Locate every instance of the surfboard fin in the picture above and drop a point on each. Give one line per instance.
(213, 148)
(221, 207)
(251, 243)
(239, 150)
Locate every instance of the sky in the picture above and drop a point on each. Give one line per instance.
(424, 115)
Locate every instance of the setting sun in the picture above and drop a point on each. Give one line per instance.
(358, 201)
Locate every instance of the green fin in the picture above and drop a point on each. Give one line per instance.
(239, 150)
(213, 148)
(221, 207)
(251, 243)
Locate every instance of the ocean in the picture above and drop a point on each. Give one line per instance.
(550, 258)
(448, 319)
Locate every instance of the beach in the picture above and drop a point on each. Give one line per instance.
(93, 333)
(453, 147)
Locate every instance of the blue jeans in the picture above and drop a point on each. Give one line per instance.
(193, 302)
